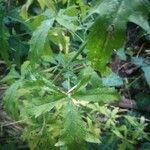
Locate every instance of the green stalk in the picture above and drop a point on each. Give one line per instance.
(73, 58)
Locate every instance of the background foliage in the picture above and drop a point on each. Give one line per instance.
(60, 83)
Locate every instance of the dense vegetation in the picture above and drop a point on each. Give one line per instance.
(69, 66)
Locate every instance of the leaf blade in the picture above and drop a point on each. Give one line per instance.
(39, 38)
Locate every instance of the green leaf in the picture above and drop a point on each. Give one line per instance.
(108, 32)
(42, 3)
(39, 39)
(24, 9)
(10, 100)
(35, 22)
(47, 3)
(112, 80)
(143, 100)
(67, 21)
(91, 138)
(139, 61)
(93, 133)
(83, 8)
(101, 95)
(121, 54)
(131, 120)
(47, 52)
(118, 134)
(58, 37)
(140, 20)
(74, 128)
(25, 69)
(11, 76)
(146, 70)
(4, 41)
(40, 110)
(101, 44)
(84, 78)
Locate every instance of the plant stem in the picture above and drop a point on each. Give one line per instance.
(73, 58)
(135, 80)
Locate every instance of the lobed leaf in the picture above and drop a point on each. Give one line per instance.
(101, 95)
(74, 128)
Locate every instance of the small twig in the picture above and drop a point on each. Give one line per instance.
(22, 34)
(78, 68)
(77, 36)
(141, 48)
(13, 123)
(135, 80)
(70, 90)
